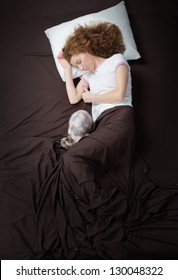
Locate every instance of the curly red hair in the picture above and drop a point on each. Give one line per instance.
(102, 39)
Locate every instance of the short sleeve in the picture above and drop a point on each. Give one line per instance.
(119, 59)
(84, 79)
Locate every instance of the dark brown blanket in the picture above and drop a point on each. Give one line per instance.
(91, 185)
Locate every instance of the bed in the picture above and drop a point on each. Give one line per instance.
(72, 205)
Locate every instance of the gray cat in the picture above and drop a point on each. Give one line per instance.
(80, 125)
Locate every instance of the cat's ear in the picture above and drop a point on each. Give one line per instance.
(67, 142)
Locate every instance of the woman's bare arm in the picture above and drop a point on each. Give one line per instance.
(74, 93)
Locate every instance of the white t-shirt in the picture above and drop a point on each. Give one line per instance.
(102, 80)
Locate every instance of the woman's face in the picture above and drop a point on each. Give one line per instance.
(84, 61)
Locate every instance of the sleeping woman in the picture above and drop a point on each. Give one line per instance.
(98, 49)
(97, 170)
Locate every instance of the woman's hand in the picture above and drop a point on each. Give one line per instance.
(87, 96)
(65, 64)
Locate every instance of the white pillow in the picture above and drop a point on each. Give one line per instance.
(117, 14)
